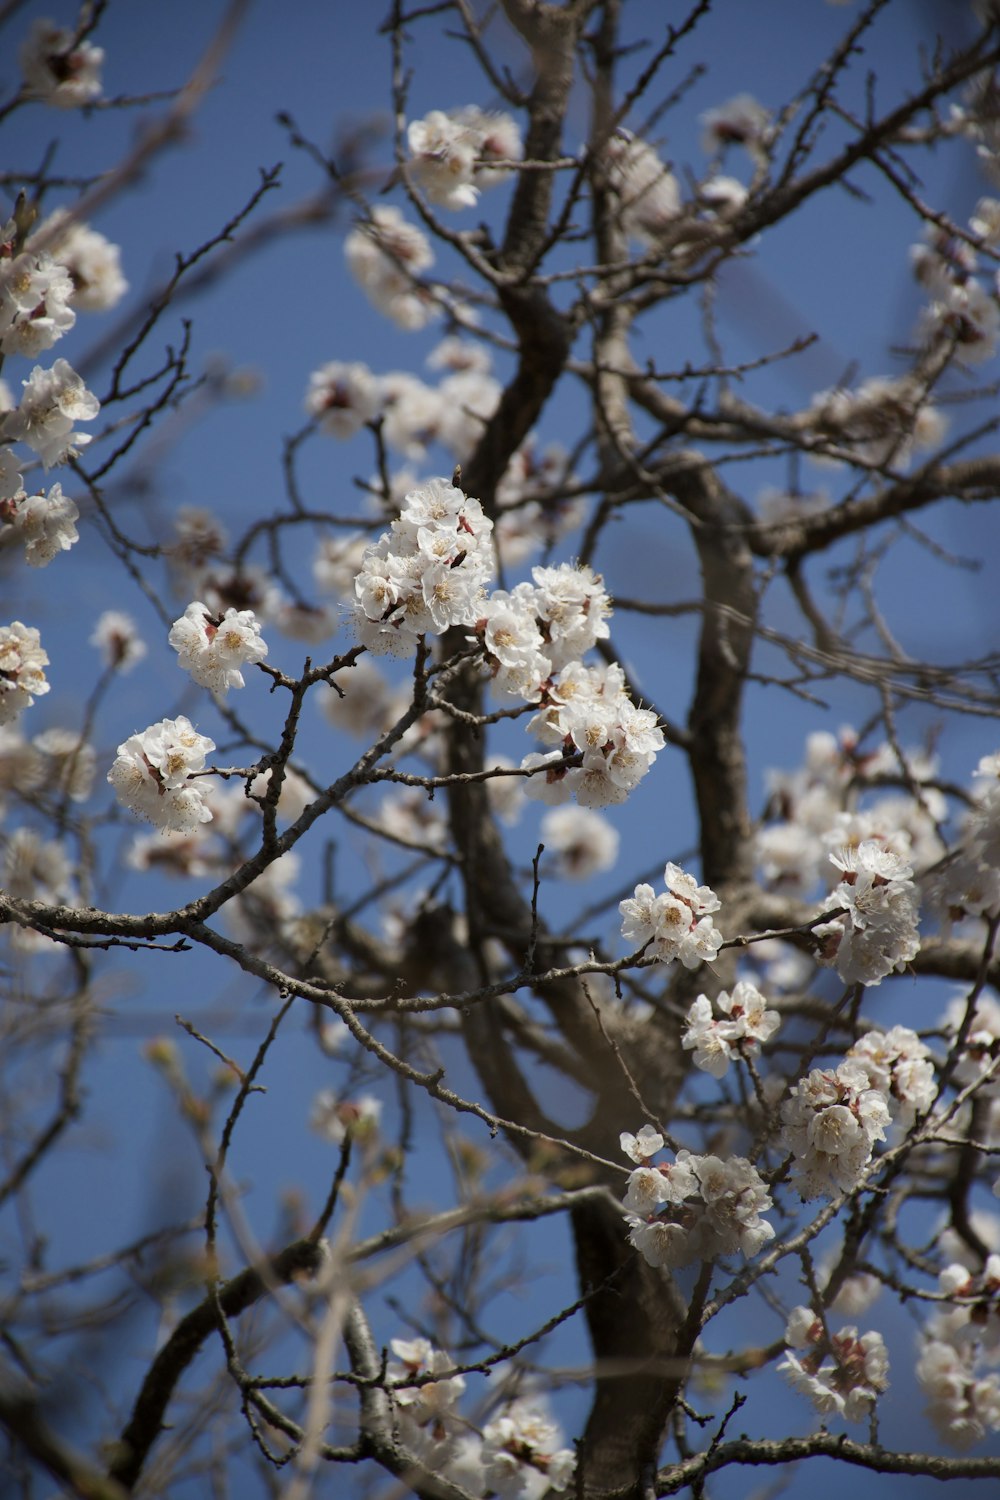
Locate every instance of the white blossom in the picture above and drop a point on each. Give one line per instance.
(694, 1208)
(900, 1067)
(332, 1117)
(22, 674)
(35, 869)
(520, 1456)
(427, 573)
(676, 924)
(831, 1121)
(342, 398)
(963, 1404)
(116, 637)
(842, 1374)
(429, 1422)
(879, 931)
(385, 255)
(646, 189)
(443, 160)
(35, 293)
(454, 154)
(584, 842)
(53, 400)
(153, 775)
(46, 525)
(741, 121)
(59, 69)
(92, 262)
(744, 1023)
(71, 762)
(213, 648)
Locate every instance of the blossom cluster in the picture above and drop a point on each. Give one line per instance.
(517, 1454)
(45, 524)
(743, 1023)
(693, 1208)
(962, 313)
(899, 1066)
(53, 401)
(677, 923)
(816, 809)
(533, 637)
(153, 775)
(884, 422)
(35, 296)
(878, 932)
(22, 669)
(427, 573)
(830, 1123)
(842, 1374)
(534, 631)
(385, 255)
(963, 1400)
(455, 153)
(60, 69)
(214, 647)
(978, 1061)
(648, 195)
(968, 883)
(344, 396)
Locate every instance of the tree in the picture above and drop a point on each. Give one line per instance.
(752, 1078)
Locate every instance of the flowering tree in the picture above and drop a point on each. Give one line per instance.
(729, 1078)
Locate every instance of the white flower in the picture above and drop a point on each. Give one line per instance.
(741, 121)
(116, 637)
(454, 154)
(34, 304)
(332, 1117)
(46, 524)
(831, 1120)
(722, 196)
(72, 762)
(443, 160)
(718, 1202)
(585, 842)
(428, 1419)
(11, 487)
(53, 400)
(645, 187)
(519, 1453)
(883, 421)
(384, 255)
(745, 1023)
(641, 1147)
(962, 1404)
(59, 69)
(842, 1374)
(152, 775)
(968, 316)
(676, 925)
(900, 1067)
(92, 262)
(22, 675)
(35, 869)
(213, 648)
(428, 573)
(497, 140)
(879, 932)
(342, 398)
